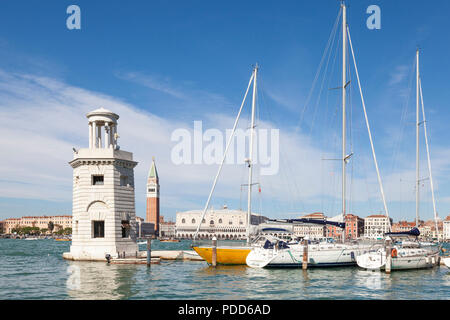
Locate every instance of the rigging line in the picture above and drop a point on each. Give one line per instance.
(224, 156)
(294, 189)
(403, 118)
(332, 36)
(368, 127)
(428, 156)
(268, 111)
(316, 106)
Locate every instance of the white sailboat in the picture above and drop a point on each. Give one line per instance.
(406, 254)
(277, 253)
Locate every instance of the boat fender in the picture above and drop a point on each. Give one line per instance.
(394, 253)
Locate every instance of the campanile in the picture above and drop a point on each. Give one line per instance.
(153, 197)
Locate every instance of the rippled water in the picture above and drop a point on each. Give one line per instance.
(36, 270)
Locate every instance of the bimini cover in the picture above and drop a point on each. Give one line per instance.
(413, 232)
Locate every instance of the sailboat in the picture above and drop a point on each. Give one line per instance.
(406, 254)
(277, 253)
(447, 262)
(233, 255)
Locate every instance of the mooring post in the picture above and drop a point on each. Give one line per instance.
(149, 251)
(388, 256)
(214, 252)
(305, 255)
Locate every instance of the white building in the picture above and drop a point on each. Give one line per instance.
(375, 226)
(222, 223)
(103, 194)
(310, 230)
(446, 228)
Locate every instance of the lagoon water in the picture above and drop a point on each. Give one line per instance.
(36, 270)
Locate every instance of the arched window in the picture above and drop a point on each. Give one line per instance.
(211, 222)
(220, 220)
(230, 222)
(193, 220)
(183, 220)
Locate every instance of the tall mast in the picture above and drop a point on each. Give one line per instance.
(417, 138)
(344, 80)
(250, 164)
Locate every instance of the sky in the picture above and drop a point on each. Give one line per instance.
(161, 65)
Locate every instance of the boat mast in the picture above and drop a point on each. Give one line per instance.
(344, 80)
(417, 139)
(250, 164)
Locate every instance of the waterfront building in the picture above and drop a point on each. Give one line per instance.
(315, 215)
(223, 223)
(375, 226)
(446, 228)
(1, 226)
(403, 226)
(60, 222)
(166, 228)
(103, 212)
(281, 230)
(310, 230)
(152, 215)
(425, 231)
(354, 228)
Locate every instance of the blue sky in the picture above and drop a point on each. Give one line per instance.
(165, 64)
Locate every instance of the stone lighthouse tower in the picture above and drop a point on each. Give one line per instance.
(153, 197)
(104, 220)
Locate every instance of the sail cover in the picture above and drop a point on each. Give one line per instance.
(316, 221)
(413, 232)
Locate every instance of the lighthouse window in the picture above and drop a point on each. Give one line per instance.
(97, 180)
(99, 229)
(151, 189)
(123, 181)
(125, 228)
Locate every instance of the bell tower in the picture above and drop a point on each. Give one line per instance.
(153, 197)
(103, 213)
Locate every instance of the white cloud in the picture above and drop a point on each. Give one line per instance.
(41, 119)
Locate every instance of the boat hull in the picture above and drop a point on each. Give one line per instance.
(377, 261)
(292, 258)
(225, 255)
(447, 262)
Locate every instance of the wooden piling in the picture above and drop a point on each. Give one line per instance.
(214, 252)
(388, 257)
(305, 255)
(149, 251)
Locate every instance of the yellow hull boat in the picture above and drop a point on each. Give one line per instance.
(225, 255)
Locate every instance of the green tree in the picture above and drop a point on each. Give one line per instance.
(51, 226)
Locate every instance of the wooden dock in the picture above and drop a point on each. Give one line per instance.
(157, 256)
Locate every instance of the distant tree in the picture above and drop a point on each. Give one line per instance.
(44, 230)
(51, 226)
